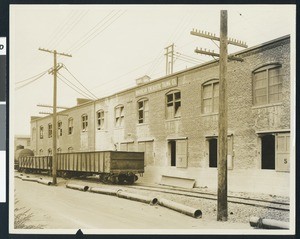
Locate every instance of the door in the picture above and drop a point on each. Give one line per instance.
(147, 148)
(283, 152)
(181, 153)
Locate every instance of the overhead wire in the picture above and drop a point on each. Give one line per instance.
(22, 86)
(74, 87)
(22, 81)
(78, 48)
(89, 33)
(80, 82)
(70, 29)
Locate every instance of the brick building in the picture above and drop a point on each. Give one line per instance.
(174, 120)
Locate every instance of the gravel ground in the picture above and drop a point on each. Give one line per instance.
(237, 213)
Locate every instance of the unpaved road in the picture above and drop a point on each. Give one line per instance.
(56, 207)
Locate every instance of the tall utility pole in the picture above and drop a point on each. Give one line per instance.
(54, 139)
(222, 123)
(223, 126)
(169, 59)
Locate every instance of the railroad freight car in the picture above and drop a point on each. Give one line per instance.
(111, 166)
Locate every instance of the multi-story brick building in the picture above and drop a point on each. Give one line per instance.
(174, 120)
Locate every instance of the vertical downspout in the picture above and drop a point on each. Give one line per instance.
(95, 121)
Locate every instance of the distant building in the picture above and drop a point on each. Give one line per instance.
(22, 141)
(174, 120)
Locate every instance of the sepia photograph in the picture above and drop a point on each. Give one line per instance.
(152, 119)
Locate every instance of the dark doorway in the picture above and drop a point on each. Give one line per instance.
(213, 153)
(173, 152)
(268, 152)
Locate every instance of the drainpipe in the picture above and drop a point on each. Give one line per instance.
(77, 187)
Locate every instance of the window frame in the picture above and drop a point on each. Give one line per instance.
(100, 119)
(143, 109)
(119, 119)
(41, 131)
(266, 68)
(59, 128)
(212, 83)
(84, 122)
(173, 102)
(50, 130)
(70, 126)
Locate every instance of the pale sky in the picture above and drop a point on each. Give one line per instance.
(112, 45)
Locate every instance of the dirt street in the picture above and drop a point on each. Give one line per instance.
(56, 207)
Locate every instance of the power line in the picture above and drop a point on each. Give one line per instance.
(78, 90)
(20, 87)
(18, 82)
(190, 57)
(88, 34)
(100, 31)
(73, 25)
(80, 82)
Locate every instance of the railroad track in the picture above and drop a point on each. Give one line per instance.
(281, 206)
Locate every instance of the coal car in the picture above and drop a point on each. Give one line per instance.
(112, 166)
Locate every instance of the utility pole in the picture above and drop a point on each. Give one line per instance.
(54, 139)
(222, 213)
(169, 59)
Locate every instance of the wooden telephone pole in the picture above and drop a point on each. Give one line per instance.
(222, 124)
(169, 59)
(54, 139)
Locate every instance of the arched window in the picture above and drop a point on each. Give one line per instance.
(49, 130)
(41, 152)
(210, 97)
(173, 104)
(49, 152)
(100, 119)
(143, 111)
(41, 132)
(59, 150)
(59, 128)
(119, 116)
(70, 149)
(70, 126)
(267, 84)
(84, 122)
(33, 133)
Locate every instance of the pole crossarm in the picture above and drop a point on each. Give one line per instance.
(213, 36)
(212, 53)
(58, 53)
(48, 113)
(50, 106)
(57, 68)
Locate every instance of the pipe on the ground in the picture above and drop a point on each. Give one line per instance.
(19, 176)
(193, 212)
(265, 223)
(30, 179)
(137, 197)
(43, 181)
(78, 187)
(106, 191)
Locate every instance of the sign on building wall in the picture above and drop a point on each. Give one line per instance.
(156, 87)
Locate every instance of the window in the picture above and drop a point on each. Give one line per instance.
(173, 102)
(119, 116)
(70, 126)
(143, 111)
(267, 85)
(210, 97)
(59, 150)
(49, 152)
(59, 128)
(41, 152)
(49, 130)
(84, 119)
(70, 149)
(100, 119)
(41, 132)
